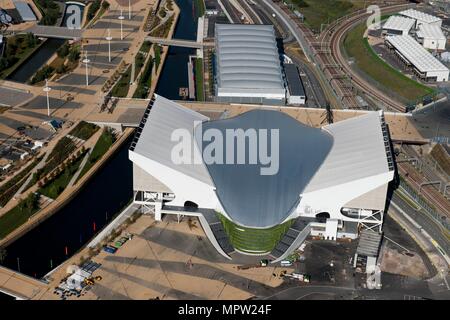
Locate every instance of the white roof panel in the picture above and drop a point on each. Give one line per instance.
(399, 23)
(423, 60)
(430, 31)
(419, 15)
(358, 152)
(155, 139)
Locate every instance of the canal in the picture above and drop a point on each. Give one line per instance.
(60, 236)
(29, 67)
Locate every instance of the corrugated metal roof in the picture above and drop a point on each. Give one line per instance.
(399, 23)
(247, 58)
(430, 31)
(419, 15)
(25, 11)
(155, 140)
(423, 60)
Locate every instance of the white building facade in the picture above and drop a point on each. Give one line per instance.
(335, 178)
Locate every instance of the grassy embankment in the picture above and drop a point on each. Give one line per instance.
(371, 64)
(18, 215)
(103, 144)
(324, 11)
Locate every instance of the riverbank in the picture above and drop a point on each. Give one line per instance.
(66, 196)
(70, 192)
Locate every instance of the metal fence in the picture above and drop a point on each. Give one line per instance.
(423, 204)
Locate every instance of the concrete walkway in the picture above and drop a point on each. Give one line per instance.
(80, 168)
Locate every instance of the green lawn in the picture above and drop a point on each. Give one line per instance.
(18, 215)
(199, 80)
(199, 8)
(9, 189)
(371, 64)
(317, 12)
(254, 240)
(123, 85)
(103, 144)
(144, 82)
(55, 187)
(84, 130)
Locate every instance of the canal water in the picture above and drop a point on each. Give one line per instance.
(28, 68)
(44, 248)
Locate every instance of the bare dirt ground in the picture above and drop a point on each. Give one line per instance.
(406, 264)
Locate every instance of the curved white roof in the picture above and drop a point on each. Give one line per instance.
(247, 58)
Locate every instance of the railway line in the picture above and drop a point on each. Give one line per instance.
(428, 192)
(326, 52)
(336, 36)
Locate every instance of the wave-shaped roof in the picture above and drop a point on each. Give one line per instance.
(247, 57)
(262, 201)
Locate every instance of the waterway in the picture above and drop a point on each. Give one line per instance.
(43, 248)
(29, 67)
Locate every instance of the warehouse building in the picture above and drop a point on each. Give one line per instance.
(421, 18)
(245, 206)
(398, 25)
(431, 37)
(296, 92)
(248, 66)
(422, 62)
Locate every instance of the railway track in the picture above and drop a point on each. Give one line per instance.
(335, 34)
(428, 192)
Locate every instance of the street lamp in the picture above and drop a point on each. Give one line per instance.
(47, 90)
(86, 61)
(109, 38)
(129, 9)
(121, 17)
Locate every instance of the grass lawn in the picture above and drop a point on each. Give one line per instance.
(199, 8)
(9, 189)
(121, 88)
(55, 187)
(145, 81)
(254, 240)
(84, 130)
(199, 80)
(317, 12)
(18, 215)
(103, 144)
(371, 64)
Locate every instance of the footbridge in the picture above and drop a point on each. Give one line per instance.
(20, 286)
(55, 32)
(179, 42)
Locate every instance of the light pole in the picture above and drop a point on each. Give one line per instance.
(47, 90)
(129, 9)
(109, 38)
(86, 61)
(121, 17)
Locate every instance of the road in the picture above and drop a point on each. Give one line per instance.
(426, 221)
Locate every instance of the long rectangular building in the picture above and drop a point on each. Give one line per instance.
(423, 63)
(421, 17)
(248, 66)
